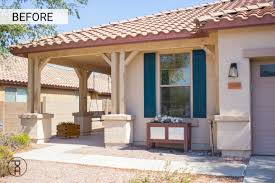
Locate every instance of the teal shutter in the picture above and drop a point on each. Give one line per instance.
(199, 84)
(149, 85)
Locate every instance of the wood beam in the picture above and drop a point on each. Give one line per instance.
(114, 80)
(106, 58)
(43, 63)
(148, 46)
(131, 57)
(37, 87)
(30, 85)
(209, 49)
(122, 108)
(83, 76)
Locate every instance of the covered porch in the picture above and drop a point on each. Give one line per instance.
(124, 62)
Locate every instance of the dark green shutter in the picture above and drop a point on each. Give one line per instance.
(199, 84)
(149, 85)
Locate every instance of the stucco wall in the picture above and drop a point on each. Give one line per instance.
(231, 44)
(61, 103)
(235, 105)
(135, 101)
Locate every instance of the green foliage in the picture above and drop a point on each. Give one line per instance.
(13, 34)
(5, 156)
(15, 141)
(21, 140)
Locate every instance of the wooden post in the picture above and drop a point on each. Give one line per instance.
(115, 83)
(30, 85)
(83, 76)
(36, 87)
(35, 67)
(122, 108)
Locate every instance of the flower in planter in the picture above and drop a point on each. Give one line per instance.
(167, 119)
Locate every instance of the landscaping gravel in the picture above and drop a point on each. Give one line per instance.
(41, 171)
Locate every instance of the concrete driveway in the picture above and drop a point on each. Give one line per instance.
(261, 169)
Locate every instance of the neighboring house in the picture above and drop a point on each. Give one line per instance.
(59, 94)
(208, 62)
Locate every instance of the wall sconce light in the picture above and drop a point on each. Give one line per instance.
(233, 70)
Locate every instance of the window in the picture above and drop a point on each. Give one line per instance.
(21, 95)
(267, 70)
(10, 94)
(15, 95)
(175, 85)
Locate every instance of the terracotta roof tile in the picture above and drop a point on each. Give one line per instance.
(14, 70)
(176, 21)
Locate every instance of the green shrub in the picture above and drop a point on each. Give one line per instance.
(5, 156)
(5, 140)
(20, 140)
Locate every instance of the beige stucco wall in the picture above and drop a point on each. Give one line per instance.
(231, 44)
(238, 102)
(135, 101)
(61, 103)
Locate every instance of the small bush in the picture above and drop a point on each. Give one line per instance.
(5, 140)
(162, 177)
(21, 140)
(15, 141)
(5, 156)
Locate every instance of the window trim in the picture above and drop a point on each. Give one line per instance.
(158, 77)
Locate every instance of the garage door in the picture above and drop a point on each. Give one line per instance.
(263, 106)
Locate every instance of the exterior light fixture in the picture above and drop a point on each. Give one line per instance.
(233, 70)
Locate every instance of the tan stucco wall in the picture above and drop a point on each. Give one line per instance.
(61, 103)
(238, 102)
(135, 101)
(231, 44)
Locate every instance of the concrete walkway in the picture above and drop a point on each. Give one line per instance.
(261, 169)
(59, 153)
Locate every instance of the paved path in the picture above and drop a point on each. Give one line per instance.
(261, 169)
(59, 153)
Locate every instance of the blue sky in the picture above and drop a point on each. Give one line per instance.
(104, 11)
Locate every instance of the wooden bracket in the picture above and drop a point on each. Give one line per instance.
(106, 58)
(131, 57)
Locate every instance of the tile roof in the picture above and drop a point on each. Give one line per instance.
(179, 23)
(14, 70)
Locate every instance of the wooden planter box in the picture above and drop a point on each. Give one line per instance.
(68, 130)
(169, 133)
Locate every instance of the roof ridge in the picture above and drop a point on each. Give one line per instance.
(160, 13)
(163, 12)
(209, 15)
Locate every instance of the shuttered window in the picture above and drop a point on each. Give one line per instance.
(199, 84)
(175, 85)
(149, 85)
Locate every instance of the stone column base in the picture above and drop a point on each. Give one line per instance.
(84, 120)
(233, 135)
(241, 154)
(37, 126)
(118, 129)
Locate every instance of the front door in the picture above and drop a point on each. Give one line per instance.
(263, 106)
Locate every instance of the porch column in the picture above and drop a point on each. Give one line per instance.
(35, 67)
(37, 125)
(122, 107)
(115, 82)
(123, 62)
(118, 127)
(83, 118)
